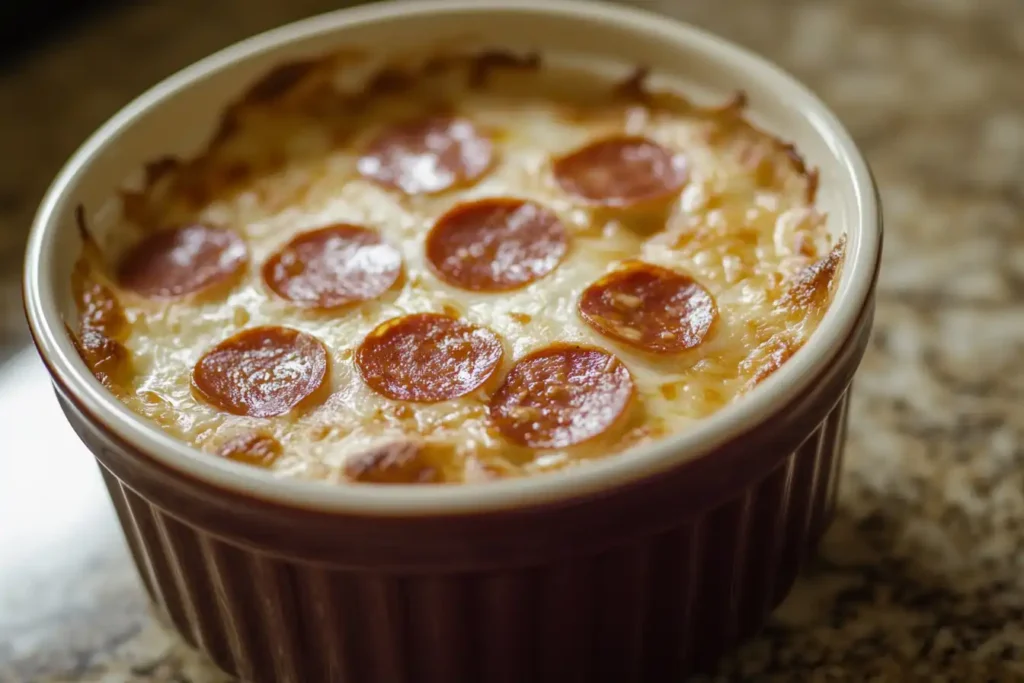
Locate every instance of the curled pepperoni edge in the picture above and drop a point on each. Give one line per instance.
(318, 380)
(594, 322)
(616, 201)
(436, 232)
(382, 338)
(550, 350)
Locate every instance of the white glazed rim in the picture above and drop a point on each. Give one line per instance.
(858, 273)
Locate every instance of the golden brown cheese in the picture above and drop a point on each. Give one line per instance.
(559, 181)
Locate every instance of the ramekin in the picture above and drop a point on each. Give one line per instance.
(644, 567)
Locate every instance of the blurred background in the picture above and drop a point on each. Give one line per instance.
(921, 577)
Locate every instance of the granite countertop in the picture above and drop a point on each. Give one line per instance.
(921, 576)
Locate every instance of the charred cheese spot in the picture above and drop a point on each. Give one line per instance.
(99, 309)
(768, 357)
(109, 361)
(812, 289)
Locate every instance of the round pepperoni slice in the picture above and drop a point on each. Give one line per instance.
(496, 244)
(561, 396)
(428, 358)
(427, 156)
(261, 372)
(333, 267)
(172, 263)
(621, 171)
(649, 307)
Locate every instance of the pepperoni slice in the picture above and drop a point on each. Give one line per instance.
(649, 307)
(428, 358)
(621, 171)
(400, 462)
(172, 263)
(427, 156)
(261, 372)
(561, 396)
(252, 448)
(333, 267)
(496, 244)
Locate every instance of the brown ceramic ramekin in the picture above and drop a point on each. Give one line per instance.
(633, 568)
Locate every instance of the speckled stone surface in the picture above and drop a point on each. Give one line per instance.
(920, 579)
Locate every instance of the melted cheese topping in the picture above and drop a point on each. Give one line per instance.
(743, 226)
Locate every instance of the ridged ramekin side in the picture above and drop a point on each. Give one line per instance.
(658, 606)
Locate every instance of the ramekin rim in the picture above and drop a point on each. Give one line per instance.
(862, 258)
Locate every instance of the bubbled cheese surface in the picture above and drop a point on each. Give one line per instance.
(743, 227)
